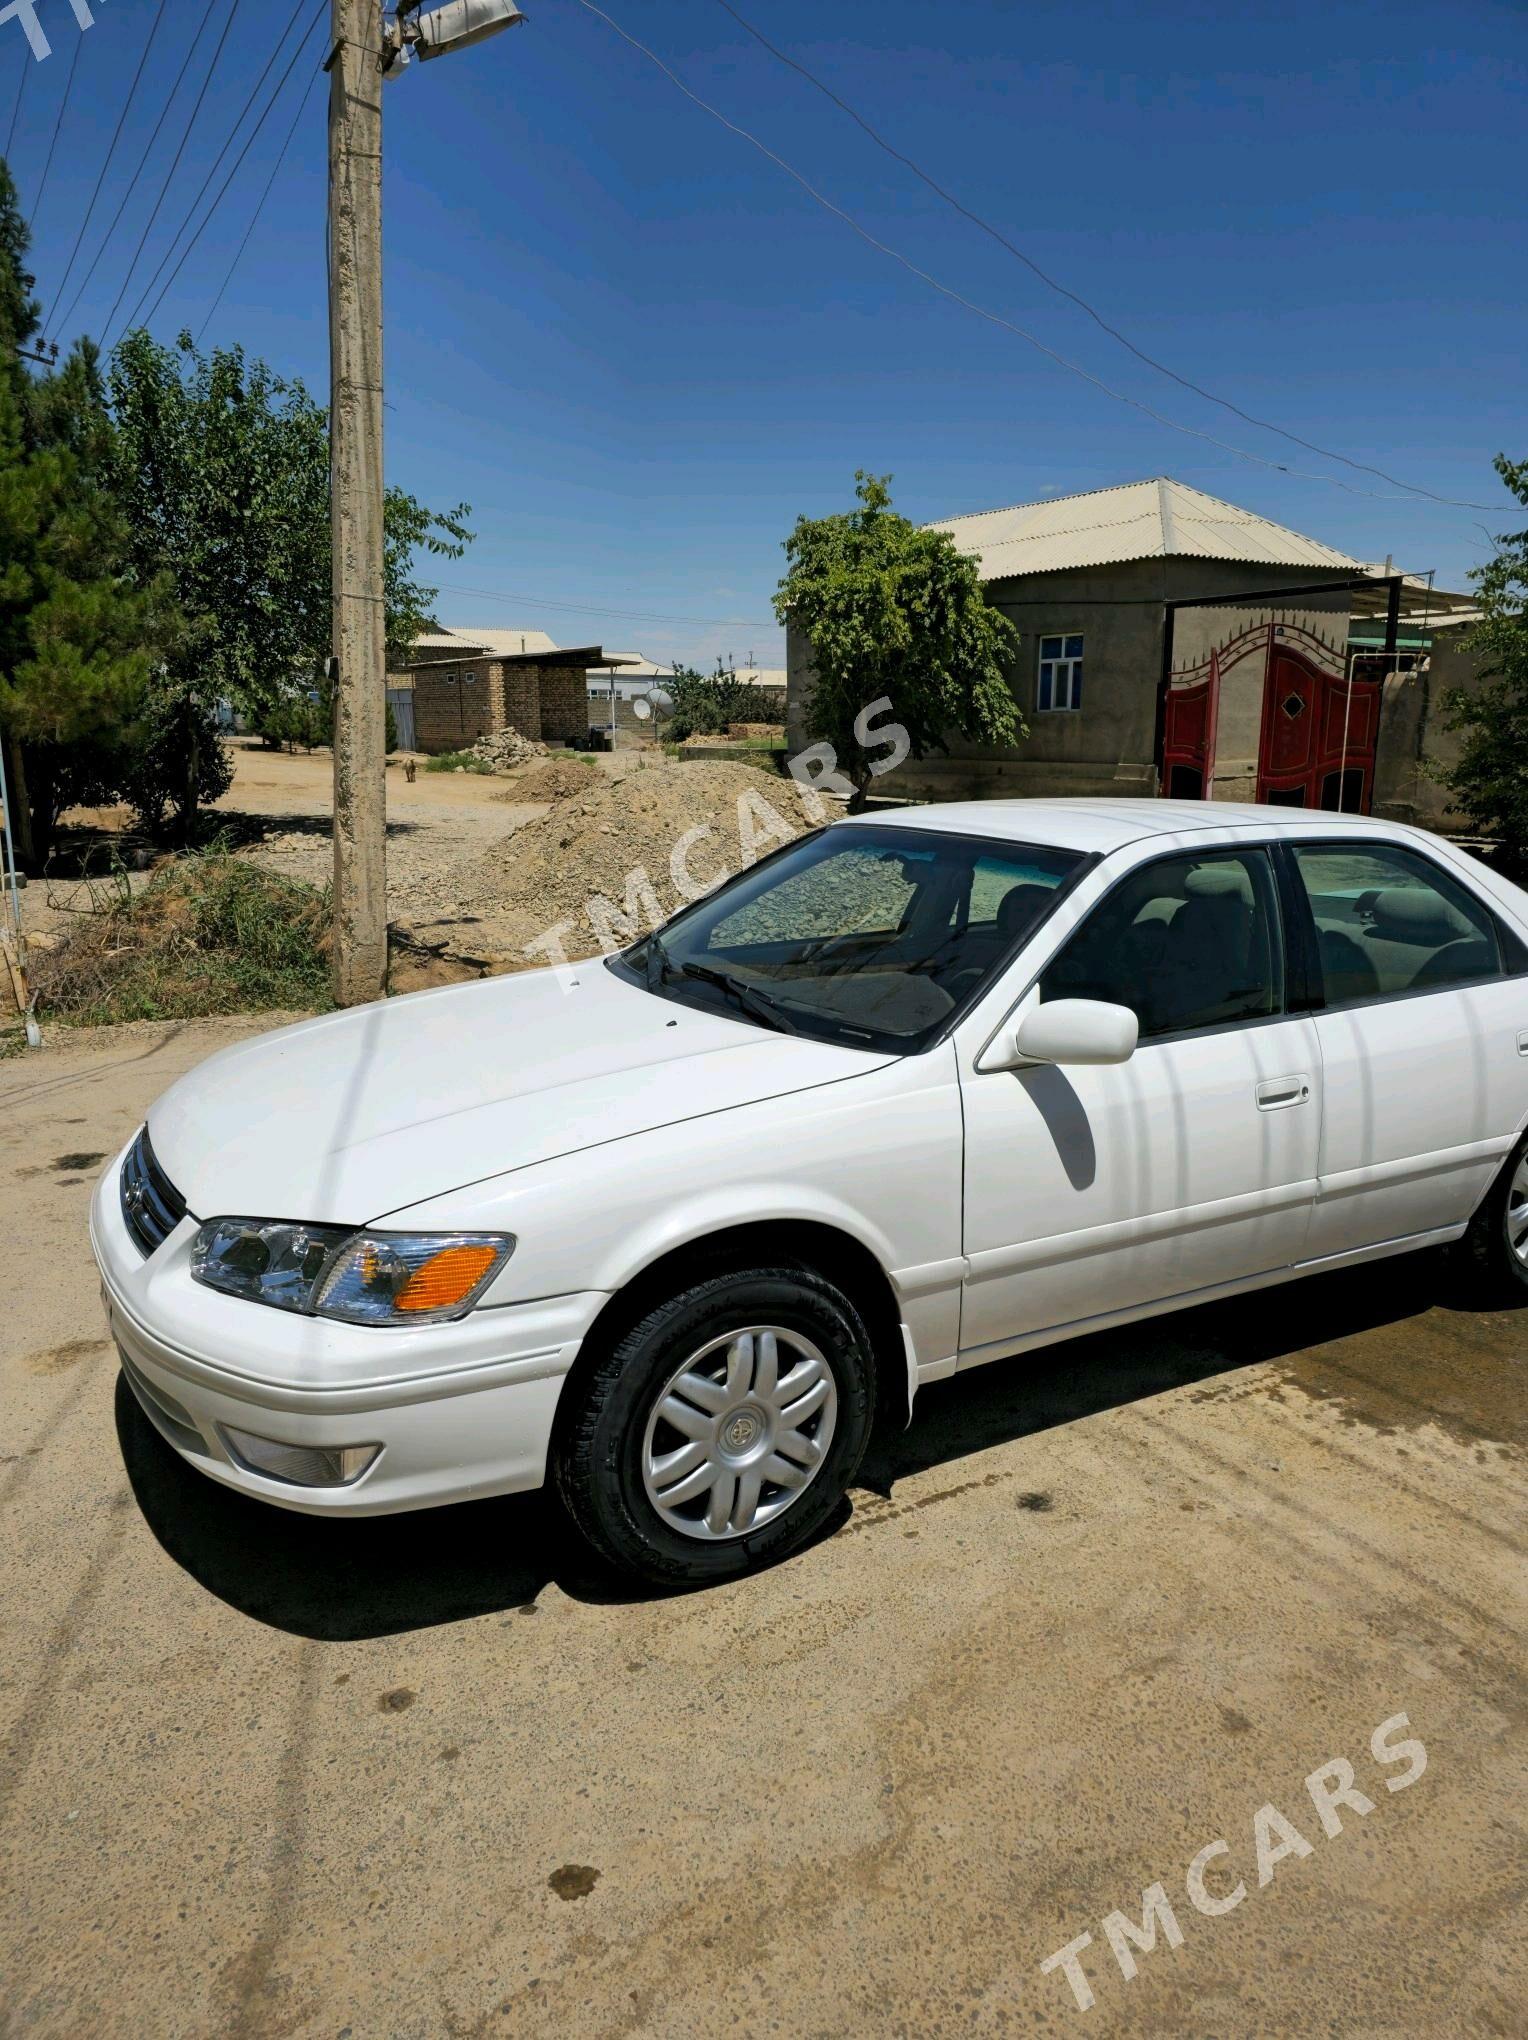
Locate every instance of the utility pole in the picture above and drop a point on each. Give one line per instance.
(359, 965)
(362, 52)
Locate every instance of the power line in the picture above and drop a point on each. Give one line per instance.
(10, 133)
(1053, 283)
(132, 90)
(63, 106)
(302, 102)
(855, 226)
(131, 186)
(169, 176)
(133, 316)
(321, 9)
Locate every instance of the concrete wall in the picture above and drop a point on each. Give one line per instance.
(1108, 746)
(1412, 736)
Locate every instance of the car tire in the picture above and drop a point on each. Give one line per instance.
(740, 1342)
(1496, 1244)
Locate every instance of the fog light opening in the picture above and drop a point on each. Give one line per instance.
(299, 1465)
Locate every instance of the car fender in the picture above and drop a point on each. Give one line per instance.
(878, 1161)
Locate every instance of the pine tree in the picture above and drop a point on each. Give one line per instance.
(77, 639)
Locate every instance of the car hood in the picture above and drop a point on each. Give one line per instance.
(357, 1114)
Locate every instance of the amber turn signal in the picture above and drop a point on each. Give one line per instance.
(446, 1278)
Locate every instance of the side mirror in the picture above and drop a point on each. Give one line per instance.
(1068, 1031)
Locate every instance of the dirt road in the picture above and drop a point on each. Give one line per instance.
(279, 809)
(435, 1776)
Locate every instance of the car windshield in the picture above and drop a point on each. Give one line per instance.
(874, 936)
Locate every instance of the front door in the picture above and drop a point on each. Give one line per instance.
(1318, 733)
(1095, 1190)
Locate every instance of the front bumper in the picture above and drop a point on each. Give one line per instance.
(461, 1410)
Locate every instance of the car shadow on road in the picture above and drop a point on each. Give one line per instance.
(1077, 1378)
(341, 1581)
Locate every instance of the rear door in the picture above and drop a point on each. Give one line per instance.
(1424, 1041)
(1090, 1191)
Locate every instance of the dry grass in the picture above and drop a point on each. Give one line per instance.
(208, 934)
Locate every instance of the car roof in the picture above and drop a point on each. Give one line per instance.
(1100, 826)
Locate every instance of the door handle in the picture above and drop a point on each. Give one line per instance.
(1522, 1042)
(1276, 1092)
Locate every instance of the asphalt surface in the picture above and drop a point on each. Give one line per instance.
(435, 1775)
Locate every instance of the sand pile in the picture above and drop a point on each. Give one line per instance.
(552, 779)
(594, 865)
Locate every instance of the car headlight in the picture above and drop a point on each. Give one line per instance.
(367, 1278)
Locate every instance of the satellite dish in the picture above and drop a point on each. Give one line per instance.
(661, 700)
(641, 709)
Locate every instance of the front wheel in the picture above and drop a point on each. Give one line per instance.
(1497, 1241)
(721, 1430)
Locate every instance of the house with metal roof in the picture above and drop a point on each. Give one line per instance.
(1172, 643)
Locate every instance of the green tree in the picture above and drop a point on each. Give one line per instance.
(79, 638)
(892, 610)
(223, 472)
(707, 704)
(1490, 780)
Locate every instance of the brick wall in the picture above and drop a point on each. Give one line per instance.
(564, 703)
(452, 707)
(520, 699)
(455, 705)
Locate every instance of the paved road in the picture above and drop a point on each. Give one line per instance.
(434, 1776)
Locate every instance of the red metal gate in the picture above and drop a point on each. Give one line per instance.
(1188, 738)
(1318, 735)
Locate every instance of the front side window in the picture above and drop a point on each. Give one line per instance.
(1388, 921)
(1060, 683)
(873, 936)
(1185, 943)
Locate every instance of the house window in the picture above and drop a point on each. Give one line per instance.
(1060, 673)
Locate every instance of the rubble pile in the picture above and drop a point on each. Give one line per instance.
(506, 748)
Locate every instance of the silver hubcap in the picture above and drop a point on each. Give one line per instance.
(1517, 1211)
(739, 1432)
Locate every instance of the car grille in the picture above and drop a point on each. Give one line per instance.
(152, 1207)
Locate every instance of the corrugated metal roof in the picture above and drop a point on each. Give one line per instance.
(635, 667)
(1158, 519)
(504, 640)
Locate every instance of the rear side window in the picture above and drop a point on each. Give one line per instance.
(1185, 943)
(1389, 921)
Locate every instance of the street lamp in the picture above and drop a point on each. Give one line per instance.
(444, 29)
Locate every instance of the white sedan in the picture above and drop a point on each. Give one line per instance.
(925, 1089)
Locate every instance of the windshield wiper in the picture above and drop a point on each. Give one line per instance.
(659, 967)
(752, 1000)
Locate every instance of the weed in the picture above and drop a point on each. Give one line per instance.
(208, 934)
(457, 761)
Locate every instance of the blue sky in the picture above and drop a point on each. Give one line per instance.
(639, 350)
